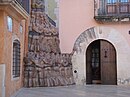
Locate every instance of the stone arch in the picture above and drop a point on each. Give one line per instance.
(106, 33)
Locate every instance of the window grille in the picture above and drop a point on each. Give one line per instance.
(117, 6)
(112, 10)
(16, 58)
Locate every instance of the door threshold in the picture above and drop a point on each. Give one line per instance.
(96, 81)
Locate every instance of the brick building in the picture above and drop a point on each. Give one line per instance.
(14, 20)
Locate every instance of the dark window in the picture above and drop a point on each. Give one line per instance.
(20, 1)
(25, 4)
(16, 58)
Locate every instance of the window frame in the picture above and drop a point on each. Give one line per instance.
(9, 24)
(21, 28)
(16, 59)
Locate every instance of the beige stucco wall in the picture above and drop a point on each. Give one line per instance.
(75, 17)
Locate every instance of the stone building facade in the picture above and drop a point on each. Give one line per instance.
(14, 20)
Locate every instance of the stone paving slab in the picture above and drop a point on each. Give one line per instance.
(75, 91)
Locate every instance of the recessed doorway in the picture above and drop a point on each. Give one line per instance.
(101, 63)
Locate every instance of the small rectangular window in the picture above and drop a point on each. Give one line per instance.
(9, 23)
(21, 28)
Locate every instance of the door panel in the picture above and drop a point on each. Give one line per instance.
(88, 66)
(108, 63)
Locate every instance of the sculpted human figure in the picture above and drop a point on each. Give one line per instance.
(53, 59)
(47, 76)
(45, 65)
(38, 4)
(32, 47)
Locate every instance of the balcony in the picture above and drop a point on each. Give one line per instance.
(23, 3)
(112, 10)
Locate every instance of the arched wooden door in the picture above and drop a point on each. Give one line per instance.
(101, 63)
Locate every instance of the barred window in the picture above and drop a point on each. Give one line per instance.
(16, 58)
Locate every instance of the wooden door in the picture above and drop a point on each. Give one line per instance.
(88, 66)
(108, 63)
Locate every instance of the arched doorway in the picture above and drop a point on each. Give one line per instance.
(101, 63)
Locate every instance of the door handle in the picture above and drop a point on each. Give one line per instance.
(105, 54)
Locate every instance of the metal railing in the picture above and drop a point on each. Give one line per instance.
(112, 8)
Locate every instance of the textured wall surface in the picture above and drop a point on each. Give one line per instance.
(45, 65)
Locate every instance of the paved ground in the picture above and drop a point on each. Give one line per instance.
(75, 91)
